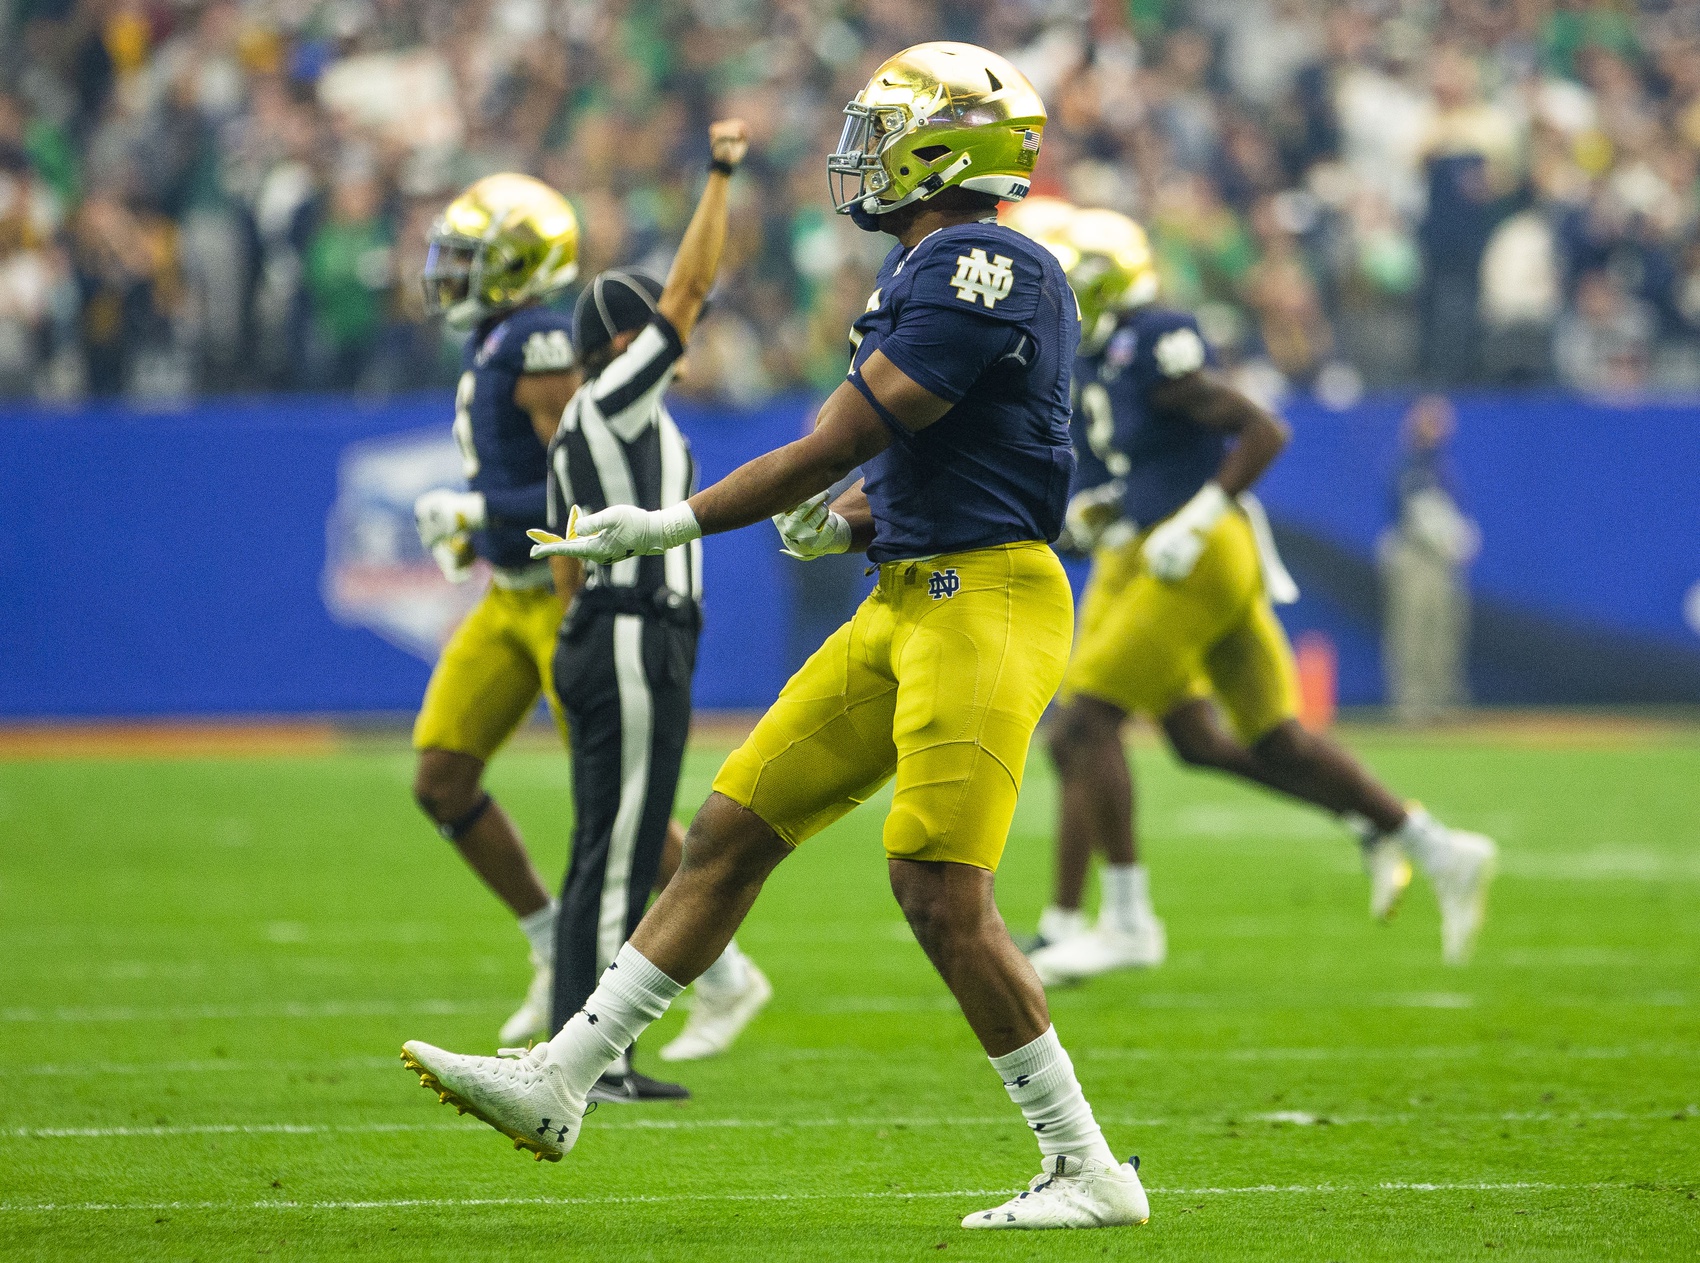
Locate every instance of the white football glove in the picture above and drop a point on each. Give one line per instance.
(1090, 514)
(813, 530)
(1174, 546)
(442, 513)
(620, 531)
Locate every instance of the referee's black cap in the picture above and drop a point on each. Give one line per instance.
(616, 302)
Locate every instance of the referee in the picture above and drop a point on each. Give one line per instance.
(627, 648)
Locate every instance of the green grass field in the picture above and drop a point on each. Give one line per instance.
(210, 965)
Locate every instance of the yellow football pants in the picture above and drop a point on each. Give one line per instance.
(940, 678)
(1146, 645)
(490, 672)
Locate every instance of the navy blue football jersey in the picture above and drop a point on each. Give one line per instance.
(499, 450)
(1162, 459)
(981, 316)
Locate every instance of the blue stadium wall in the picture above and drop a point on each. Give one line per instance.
(251, 556)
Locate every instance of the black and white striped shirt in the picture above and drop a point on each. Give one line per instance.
(617, 444)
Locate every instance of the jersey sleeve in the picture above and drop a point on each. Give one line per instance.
(1170, 346)
(625, 392)
(539, 341)
(947, 350)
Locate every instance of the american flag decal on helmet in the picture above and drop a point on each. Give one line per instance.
(1030, 139)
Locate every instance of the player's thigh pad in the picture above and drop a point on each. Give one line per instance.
(1253, 674)
(825, 744)
(537, 619)
(485, 682)
(976, 667)
(1144, 641)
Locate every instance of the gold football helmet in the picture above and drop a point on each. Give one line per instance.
(1108, 260)
(1045, 219)
(507, 240)
(934, 117)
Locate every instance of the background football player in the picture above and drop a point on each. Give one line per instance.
(499, 253)
(1177, 621)
(957, 411)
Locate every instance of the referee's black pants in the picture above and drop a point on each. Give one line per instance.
(624, 680)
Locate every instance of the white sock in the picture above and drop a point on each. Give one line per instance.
(1040, 1079)
(730, 973)
(631, 995)
(1127, 896)
(1425, 840)
(539, 929)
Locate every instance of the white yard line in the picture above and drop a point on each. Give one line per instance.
(411, 1203)
(843, 1005)
(1440, 1052)
(224, 1012)
(1297, 1118)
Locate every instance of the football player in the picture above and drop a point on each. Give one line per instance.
(498, 254)
(956, 410)
(1177, 621)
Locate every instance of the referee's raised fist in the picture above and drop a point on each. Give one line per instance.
(729, 140)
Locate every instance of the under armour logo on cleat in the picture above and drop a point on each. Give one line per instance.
(560, 1132)
(943, 584)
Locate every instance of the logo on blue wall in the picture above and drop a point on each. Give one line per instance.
(377, 574)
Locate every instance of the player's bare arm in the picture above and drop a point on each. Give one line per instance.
(544, 397)
(1175, 544)
(858, 515)
(1258, 437)
(849, 432)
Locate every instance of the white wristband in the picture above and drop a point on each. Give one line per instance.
(678, 525)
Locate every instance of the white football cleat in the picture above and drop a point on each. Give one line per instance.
(1058, 925)
(1072, 1193)
(525, 1098)
(1389, 876)
(531, 1020)
(1461, 882)
(719, 1017)
(1101, 951)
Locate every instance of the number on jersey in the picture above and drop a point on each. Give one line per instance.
(463, 425)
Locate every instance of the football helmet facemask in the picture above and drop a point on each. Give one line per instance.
(506, 241)
(936, 116)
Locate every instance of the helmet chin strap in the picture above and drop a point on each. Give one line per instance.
(866, 213)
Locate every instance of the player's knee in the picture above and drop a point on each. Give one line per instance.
(947, 921)
(729, 846)
(1196, 749)
(447, 786)
(1287, 746)
(1079, 729)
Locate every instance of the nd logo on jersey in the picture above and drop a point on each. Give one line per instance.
(942, 584)
(989, 280)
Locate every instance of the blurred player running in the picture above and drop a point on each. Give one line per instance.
(500, 251)
(956, 409)
(1177, 621)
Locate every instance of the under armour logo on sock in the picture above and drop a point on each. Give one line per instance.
(1020, 1081)
(560, 1132)
(589, 1017)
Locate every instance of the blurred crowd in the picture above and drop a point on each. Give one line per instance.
(215, 195)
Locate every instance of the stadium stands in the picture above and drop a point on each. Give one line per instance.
(207, 196)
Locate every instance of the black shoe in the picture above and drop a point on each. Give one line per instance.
(632, 1086)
